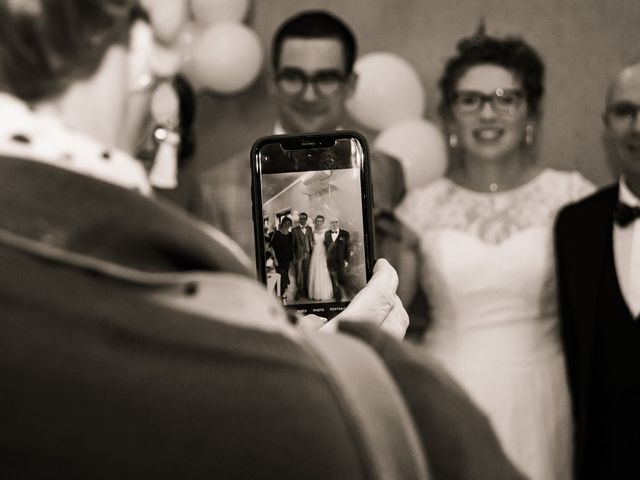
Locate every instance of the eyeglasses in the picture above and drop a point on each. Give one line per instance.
(292, 82)
(504, 102)
(623, 111)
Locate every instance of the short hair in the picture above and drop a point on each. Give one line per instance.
(45, 45)
(318, 216)
(286, 219)
(510, 53)
(303, 213)
(315, 24)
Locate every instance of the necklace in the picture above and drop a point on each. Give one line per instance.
(493, 187)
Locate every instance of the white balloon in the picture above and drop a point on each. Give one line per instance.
(208, 12)
(167, 18)
(389, 90)
(226, 58)
(420, 146)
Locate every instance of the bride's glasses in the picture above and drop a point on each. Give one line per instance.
(504, 102)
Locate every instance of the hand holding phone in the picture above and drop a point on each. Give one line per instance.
(312, 195)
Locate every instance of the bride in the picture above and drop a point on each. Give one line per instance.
(319, 279)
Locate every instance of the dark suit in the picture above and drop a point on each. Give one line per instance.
(302, 245)
(338, 253)
(601, 340)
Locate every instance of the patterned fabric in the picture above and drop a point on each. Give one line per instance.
(492, 217)
(45, 138)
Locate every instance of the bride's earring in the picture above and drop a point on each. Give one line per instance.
(529, 135)
(453, 140)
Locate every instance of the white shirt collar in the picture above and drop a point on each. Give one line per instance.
(625, 194)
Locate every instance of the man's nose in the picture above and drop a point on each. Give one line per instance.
(309, 93)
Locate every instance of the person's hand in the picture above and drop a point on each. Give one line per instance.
(377, 302)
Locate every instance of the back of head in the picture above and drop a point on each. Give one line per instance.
(511, 53)
(47, 44)
(315, 24)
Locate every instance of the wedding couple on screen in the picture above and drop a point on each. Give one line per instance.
(320, 259)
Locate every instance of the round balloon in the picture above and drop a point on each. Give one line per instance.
(420, 147)
(167, 18)
(388, 91)
(208, 12)
(226, 58)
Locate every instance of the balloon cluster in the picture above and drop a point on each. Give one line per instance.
(217, 52)
(390, 98)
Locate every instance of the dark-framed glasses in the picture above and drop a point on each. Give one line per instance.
(623, 111)
(504, 101)
(292, 82)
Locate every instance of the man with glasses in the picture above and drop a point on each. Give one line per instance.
(598, 255)
(312, 61)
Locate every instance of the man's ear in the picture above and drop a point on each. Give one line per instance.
(350, 84)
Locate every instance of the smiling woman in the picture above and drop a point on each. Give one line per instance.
(485, 253)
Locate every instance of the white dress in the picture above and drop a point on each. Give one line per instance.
(320, 287)
(487, 269)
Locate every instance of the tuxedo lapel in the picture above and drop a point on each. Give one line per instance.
(596, 251)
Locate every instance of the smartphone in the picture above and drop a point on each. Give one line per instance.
(312, 213)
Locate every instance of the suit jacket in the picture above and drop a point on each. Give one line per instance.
(337, 251)
(302, 242)
(583, 243)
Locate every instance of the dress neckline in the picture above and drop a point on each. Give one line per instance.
(499, 193)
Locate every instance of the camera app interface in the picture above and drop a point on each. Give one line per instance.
(313, 225)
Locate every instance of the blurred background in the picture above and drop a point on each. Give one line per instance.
(582, 43)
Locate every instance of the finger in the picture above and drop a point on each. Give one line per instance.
(377, 298)
(311, 322)
(397, 320)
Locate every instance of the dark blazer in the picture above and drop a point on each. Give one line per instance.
(583, 245)
(338, 250)
(302, 242)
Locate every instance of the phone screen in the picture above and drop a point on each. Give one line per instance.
(312, 201)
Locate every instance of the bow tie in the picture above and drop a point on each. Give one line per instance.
(624, 214)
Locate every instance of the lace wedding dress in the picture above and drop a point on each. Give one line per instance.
(487, 269)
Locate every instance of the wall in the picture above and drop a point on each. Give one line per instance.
(583, 42)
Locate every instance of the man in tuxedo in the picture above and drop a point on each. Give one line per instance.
(302, 241)
(598, 261)
(336, 242)
(312, 60)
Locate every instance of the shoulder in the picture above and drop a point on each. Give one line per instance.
(232, 170)
(590, 208)
(572, 184)
(417, 206)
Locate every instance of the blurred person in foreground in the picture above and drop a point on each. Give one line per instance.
(598, 264)
(312, 58)
(484, 256)
(133, 343)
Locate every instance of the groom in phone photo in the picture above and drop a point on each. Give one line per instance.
(302, 242)
(336, 241)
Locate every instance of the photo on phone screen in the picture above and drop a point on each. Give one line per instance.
(313, 202)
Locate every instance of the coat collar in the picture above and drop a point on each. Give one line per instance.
(56, 213)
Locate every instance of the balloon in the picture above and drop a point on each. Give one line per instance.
(226, 58)
(208, 12)
(388, 91)
(420, 147)
(167, 18)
